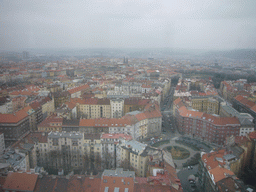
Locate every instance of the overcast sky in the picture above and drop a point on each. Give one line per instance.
(196, 24)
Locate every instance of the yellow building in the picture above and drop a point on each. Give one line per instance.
(208, 105)
(92, 108)
(51, 123)
(47, 106)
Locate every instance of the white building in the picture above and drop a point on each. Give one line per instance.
(109, 143)
(117, 106)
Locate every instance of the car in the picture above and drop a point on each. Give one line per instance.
(189, 168)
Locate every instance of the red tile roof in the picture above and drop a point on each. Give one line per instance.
(51, 119)
(20, 181)
(102, 122)
(51, 184)
(70, 105)
(241, 139)
(141, 116)
(147, 187)
(210, 159)
(120, 182)
(35, 105)
(176, 101)
(13, 118)
(31, 137)
(252, 135)
(253, 108)
(29, 91)
(220, 173)
(80, 88)
(239, 97)
(216, 120)
(79, 183)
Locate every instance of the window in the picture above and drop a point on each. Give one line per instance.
(105, 181)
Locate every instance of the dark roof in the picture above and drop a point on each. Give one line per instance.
(92, 136)
(230, 184)
(51, 183)
(83, 184)
(70, 122)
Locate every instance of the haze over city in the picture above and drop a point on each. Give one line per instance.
(229, 24)
(128, 95)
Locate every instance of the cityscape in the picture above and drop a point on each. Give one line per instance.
(120, 96)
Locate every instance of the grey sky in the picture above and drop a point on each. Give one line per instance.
(198, 24)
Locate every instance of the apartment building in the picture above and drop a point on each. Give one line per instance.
(36, 106)
(60, 98)
(245, 119)
(135, 104)
(7, 107)
(109, 143)
(216, 168)
(14, 126)
(117, 180)
(129, 153)
(92, 108)
(207, 104)
(47, 106)
(138, 124)
(76, 92)
(51, 123)
(207, 127)
(242, 104)
(117, 106)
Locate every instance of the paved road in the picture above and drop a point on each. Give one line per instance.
(183, 176)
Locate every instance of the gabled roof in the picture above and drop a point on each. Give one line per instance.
(112, 182)
(239, 97)
(253, 108)
(221, 120)
(176, 101)
(20, 181)
(51, 119)
(141, 116)
(50, 184)
(213, 159)
(220, 173)
(35, 105)
(80, 88)
(79, 183)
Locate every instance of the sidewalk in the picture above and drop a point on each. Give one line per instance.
(179, 162)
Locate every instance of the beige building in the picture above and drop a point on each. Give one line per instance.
(92, 108)
(129, 156)
(47, 106)
(208, 105)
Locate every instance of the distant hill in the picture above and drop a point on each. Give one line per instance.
(242, 54)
